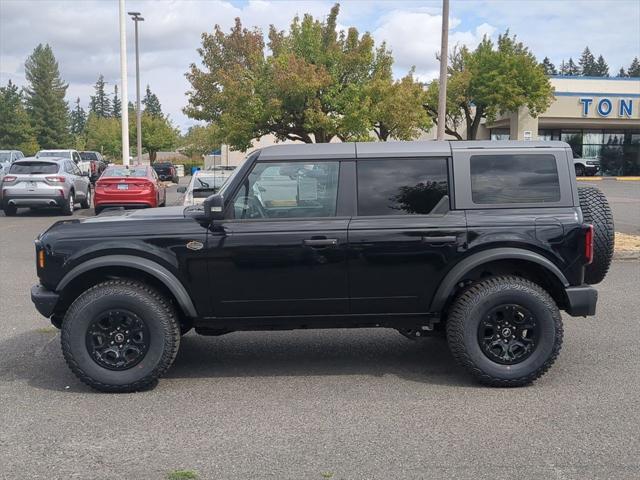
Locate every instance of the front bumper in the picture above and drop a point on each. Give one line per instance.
(44, 299)
(581, 301)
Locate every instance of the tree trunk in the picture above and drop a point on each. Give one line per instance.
(473, 123)
(152, 156)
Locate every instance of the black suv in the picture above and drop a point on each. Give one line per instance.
(484, 242)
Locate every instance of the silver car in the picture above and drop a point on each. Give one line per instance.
(45, 182)
(204, 183)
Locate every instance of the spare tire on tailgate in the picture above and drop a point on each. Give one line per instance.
(596, 211)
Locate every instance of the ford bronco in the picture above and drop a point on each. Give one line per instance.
(481, 242)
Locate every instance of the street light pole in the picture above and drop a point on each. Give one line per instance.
(444, 56)
(135, 16)
(123, 79)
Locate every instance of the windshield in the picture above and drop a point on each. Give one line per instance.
(5, 156)
(88, 156)
(54, 154)
(33, 168)
(125, 172)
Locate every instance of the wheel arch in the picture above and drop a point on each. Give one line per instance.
(527, 264)
(96, 270)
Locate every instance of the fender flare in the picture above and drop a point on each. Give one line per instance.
(145, 265)
(456, 274)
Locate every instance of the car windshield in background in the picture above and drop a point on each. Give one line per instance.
(224, 168)
(33, 168)
(5, 156)
(55, 154)
(125, 172)
(88, 156)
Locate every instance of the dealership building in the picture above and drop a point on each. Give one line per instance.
(598, 117)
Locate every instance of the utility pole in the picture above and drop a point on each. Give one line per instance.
(135, 16)
(123, 80)
(444, 56)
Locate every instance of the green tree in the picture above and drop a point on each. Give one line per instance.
(634, 68)
(103, 134)
(44, 99)
(151, 103)
(572, 69)
(622, 73)
(200, 140)
(78, 118)
(549, 68)
(489, 80)
(16, 132)
(602, 69)
(587, 63)
(158, 134)
(116, 104)
(100, 104)
(318, 84)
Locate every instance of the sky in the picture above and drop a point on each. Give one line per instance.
(84, 34)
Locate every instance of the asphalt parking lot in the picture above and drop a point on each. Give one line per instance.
(624, 197)
(319, 404)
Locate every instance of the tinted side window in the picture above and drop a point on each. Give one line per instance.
(514, 178)
(401, 186)
(288, 190)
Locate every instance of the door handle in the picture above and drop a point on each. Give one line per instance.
(320, 242)
(444, 240)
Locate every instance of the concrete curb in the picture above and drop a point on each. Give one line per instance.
(624, 255)
(598, 179)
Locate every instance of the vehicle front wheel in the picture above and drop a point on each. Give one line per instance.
(120, 336)
(580, 171)
(506, 331)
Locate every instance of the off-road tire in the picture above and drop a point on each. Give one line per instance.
(156, 312)
(10, 210)
(86, 203)
(470, 307)
(68, 207)
(597, 212)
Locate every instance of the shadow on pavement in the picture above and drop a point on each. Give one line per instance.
(35, 357)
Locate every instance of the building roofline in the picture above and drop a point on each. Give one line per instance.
(581, 77)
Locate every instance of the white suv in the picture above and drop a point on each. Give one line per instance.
(84, 166)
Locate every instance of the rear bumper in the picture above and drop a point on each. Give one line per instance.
(44, 200)
(581, 301)
(44, 300)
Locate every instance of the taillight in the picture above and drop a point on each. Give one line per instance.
(588, 244)
(9, 178)
(55, 179)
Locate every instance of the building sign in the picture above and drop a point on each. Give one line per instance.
(606, 107)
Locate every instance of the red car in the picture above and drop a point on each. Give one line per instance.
(129, 187)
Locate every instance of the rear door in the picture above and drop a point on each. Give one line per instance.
(283, 252)
(404, 236)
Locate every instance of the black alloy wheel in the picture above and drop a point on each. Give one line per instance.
(117, 339)
(508, 334)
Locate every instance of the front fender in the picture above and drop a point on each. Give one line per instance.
(143, 264)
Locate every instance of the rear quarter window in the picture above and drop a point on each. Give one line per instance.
(514, 178)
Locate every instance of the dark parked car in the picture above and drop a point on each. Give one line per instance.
(166, 171)
(484, 242)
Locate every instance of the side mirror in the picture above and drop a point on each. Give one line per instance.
(182, 189)
(214, 207)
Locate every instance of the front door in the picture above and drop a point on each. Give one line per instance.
(284, 252)
(405, 235)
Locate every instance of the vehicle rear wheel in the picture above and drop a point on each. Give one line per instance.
(10, 210)
(580, 170)
(597, 212)
(86, 203)
(67, 208)
(506, 331)
(120, 336)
